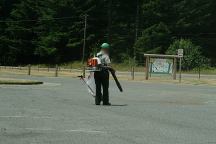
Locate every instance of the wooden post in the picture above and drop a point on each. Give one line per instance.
(199, 73)
(84, 69)
(132, 72)
(56, 71)
(84, 39)
(29, 69)
(174, 68)
(147, 67)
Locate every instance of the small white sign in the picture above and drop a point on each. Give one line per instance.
(180, 52)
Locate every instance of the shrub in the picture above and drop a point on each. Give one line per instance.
(193, 57)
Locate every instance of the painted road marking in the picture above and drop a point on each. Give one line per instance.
(210, 102)
(69, 131)
(57, 130)
(34, 117)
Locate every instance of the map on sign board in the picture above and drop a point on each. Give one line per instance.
(163, 66)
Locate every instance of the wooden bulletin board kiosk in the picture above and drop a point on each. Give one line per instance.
(161, 64)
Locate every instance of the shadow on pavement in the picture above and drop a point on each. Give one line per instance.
(119, 105)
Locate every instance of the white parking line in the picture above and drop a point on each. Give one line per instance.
(65, 131)
(34, 117)
(12, 116)
(210, 102)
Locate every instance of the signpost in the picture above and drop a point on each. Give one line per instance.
(180, 55)
(84, 39)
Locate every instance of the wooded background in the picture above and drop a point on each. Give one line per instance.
(51, 31)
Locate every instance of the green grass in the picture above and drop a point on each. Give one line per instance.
(124, 67)
(207, 71)
(117, 66)
(74, 65)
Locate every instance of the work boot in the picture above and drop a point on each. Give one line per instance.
(97, 102)
(107, 104)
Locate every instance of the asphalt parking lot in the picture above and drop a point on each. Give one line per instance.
(61, 112)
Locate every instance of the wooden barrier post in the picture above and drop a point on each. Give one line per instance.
(84, 69)
(199, 70)
(29, 69)
(147, 67)
(56, 71)
(199, 73)
(132, 72)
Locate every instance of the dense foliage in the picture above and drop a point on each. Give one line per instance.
(51, 31)
(193, 57)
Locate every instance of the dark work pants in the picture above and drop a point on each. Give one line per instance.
(102, 80)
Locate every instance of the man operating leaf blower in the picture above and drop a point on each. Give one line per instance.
(99, 68)
(100, 65)
(102, 76)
